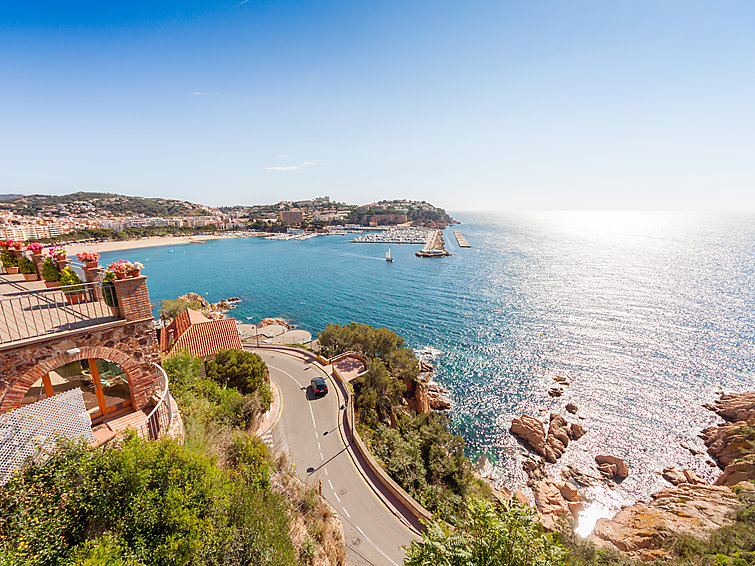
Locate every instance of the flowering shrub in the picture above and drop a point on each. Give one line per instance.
(121, 266)
(35, 248)
(11, 245)
(88, 256)
(57, 253)
(138, 266)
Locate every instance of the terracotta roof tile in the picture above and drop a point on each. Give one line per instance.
(207, 338)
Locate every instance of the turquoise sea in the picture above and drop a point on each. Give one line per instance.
(648, 315)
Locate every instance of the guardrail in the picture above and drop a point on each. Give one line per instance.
(29, 314)
(160, 419)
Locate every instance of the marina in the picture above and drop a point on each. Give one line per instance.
(461, 239)
(395, 236)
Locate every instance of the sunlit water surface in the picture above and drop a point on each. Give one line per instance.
(648, 315)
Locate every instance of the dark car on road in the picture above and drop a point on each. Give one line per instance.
(319, 387)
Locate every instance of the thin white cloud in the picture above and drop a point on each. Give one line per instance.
(195, 92)
(282, 156)
(291, 167)
(241, 3)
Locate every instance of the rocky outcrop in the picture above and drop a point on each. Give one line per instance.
(556, 501)
(732, 444)
(571, 408)
(270, 321)
(551, 446)
(675, 476)
(437, 397)
(555, 392)
(734, 407)
(558, 438)
(641, 529)
(611, 467)
(531, 432)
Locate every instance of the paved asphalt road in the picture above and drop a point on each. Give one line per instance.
(308, 432)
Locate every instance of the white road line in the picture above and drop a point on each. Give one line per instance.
(388, 558)
(314, 424)
(319, 447)
(339, 499)
(322, 457)
(326, 471)
(330, 484)
(317, 435)
(347, 513)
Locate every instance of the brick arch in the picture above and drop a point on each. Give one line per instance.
(13, 396)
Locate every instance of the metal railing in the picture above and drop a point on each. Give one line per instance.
(160, 418)
(29, 314)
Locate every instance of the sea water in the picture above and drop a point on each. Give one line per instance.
(648, 315)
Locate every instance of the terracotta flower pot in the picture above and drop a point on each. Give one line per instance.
(52, 284)
(75, 298)
(11, 270)
(60, 257)
(120, 275)
(91, 264)
(30, 276)
(133, 273)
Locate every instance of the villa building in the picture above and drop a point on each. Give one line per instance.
(193, 331)
(70, 361)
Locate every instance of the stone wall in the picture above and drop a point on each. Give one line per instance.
(131, 345)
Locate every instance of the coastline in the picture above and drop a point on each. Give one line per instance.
(151, 241)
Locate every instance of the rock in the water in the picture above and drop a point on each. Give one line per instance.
(558, 438)
(531, 432)
(571, 408)
(642, 529)
(577, 476)
(535, 469)
(555, 392)
(576, 431)
(612, 467)
(726, 443)
(561, 379)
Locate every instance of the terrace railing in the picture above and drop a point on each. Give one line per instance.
(160, 418)
(30, 314)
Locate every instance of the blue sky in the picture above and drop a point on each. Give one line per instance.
(470, 105)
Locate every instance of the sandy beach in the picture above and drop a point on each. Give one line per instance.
(152, 241)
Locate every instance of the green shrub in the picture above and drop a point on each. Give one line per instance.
(26, 266)
(50, 271)
(250, 456)
(8, 259)
(71, 282)
(237, 368)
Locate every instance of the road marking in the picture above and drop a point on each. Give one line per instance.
(347, 513)
(331, 485)
(326, 471)
(322, 457)
(388, 558)
(317, 435)
(339, 499)
(319, 447)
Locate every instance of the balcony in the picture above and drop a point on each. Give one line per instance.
(29, 310)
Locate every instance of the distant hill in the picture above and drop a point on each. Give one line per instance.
(104, 203)
(9, 196)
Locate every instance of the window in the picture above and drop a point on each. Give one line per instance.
(103, 384)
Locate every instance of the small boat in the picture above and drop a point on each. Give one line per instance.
(388, 256)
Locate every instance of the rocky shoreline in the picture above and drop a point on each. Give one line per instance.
(689, 506)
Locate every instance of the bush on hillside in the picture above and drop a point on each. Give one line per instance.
(505, 537)
(237, 368)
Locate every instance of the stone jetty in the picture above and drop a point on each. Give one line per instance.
(435, 246)
(461, 240)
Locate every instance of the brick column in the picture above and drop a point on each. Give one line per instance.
(38, 259)
(133, 298)
(92, 275)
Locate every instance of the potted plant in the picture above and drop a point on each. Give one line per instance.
(50, 273)
(108, 293)
(57, 253)
(120, 268)
(9, 261)
(35, 248)
(72, 286)
(135, 269)
(90, 259)
(27, 268)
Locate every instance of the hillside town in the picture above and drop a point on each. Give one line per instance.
(40, 217)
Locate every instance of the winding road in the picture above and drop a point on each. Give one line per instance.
(308, 432)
